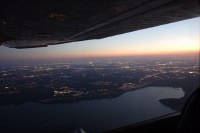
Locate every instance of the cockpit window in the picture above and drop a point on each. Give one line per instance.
(99, 85)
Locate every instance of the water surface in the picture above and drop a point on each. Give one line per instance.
(92, 115)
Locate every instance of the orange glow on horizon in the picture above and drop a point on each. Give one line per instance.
(161, 53)
(138, 50)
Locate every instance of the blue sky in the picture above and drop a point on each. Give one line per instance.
(180, 36)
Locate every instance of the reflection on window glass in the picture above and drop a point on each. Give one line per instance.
(101, 84)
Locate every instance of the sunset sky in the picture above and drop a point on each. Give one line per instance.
(179, 37)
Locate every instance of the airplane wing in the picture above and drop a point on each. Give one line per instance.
(34, 23)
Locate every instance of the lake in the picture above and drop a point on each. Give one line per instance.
(92, 115)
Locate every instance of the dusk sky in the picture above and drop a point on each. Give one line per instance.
(179, 37)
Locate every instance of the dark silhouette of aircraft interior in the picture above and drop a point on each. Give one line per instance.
(34, 23)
